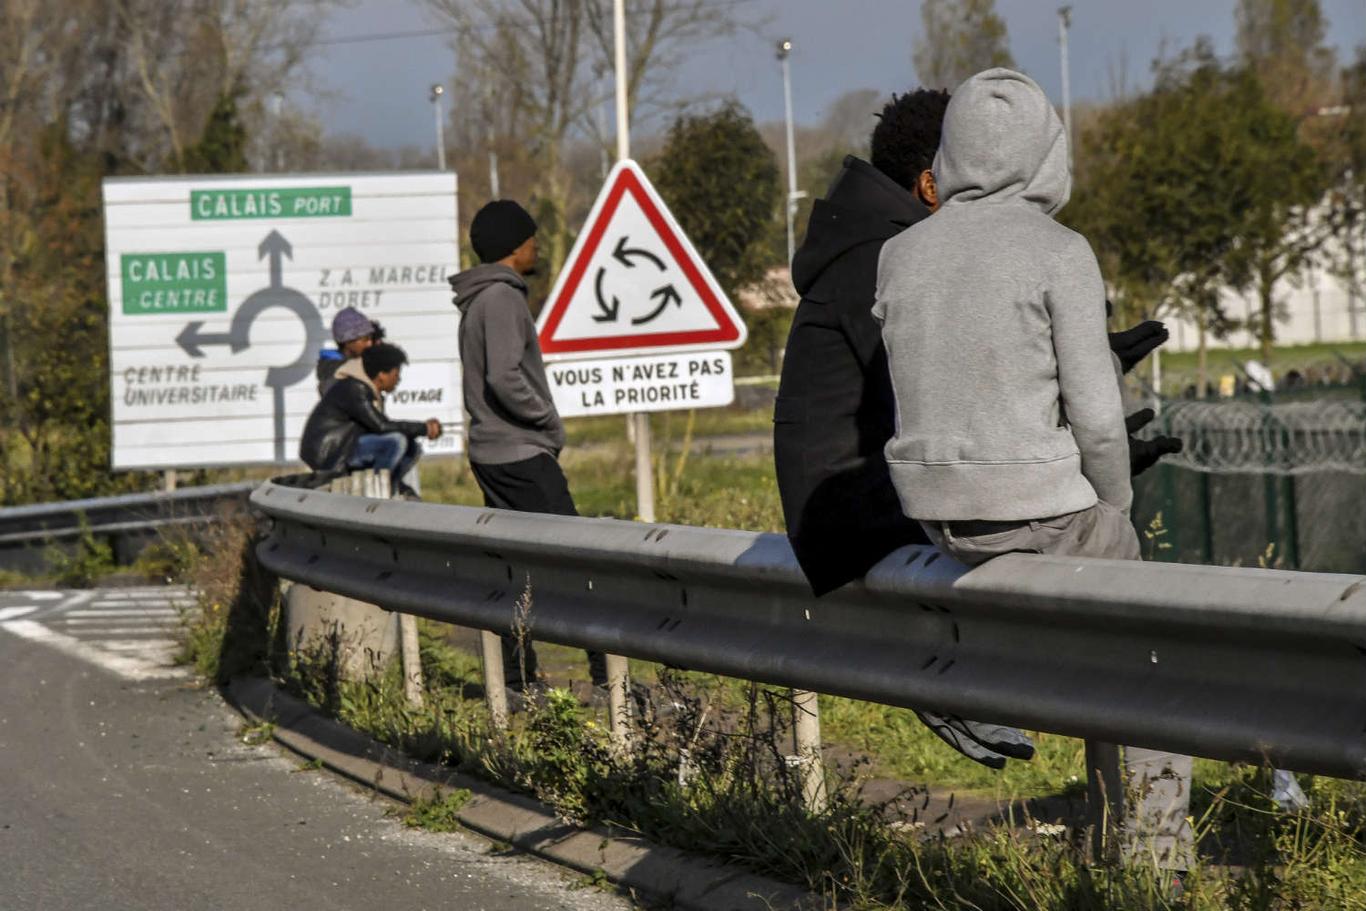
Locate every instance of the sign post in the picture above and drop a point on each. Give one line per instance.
(645, 487)
(634, 324)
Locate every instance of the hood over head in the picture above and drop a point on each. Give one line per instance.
(1003, 142)
(862, 205)
(469, 283)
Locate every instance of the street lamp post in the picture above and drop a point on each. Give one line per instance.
(277, 106)
(437, 91)
(785, 51)
(495, 191)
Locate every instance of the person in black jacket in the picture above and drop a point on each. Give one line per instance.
(835, 410)
(349, 431)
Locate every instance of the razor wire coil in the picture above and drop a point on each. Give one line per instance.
(1250, 437)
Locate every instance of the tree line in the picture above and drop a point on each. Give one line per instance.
(1226, 173)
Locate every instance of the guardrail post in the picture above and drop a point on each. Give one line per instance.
(366, 636)
(1104, 798)
(410, 652)
(618, 714)
(1137, 803)
(495, 691)
(806, 732)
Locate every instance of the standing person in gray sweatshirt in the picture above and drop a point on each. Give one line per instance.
(515, 433)
(1010, 430)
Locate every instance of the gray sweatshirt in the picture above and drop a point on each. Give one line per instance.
(512, 416)
(993, 315)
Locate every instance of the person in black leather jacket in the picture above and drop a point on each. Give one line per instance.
(348, 429)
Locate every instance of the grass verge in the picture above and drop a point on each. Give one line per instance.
(724, 790)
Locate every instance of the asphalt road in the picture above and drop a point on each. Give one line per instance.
(127, 787)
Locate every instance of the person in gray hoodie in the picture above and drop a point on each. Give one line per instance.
(1010, 432)
(515, 432)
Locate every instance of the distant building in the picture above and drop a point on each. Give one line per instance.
(1318, 306)
(1322, 309)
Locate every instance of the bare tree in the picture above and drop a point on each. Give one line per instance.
(1282, 40)
(960, 38)
(187, 55)
(530, 55)
(658, 34)
(539, 68)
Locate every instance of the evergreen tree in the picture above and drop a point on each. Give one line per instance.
(1200, 184)
(720, 179)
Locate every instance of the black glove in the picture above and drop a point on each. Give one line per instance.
(1143, 454)
(989, 744)
(1133, 345)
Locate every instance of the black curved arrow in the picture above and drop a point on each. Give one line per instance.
(608, 314)
(623, 254)
(191, 339)
(665, 295)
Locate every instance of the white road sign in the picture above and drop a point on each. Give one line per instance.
(661, 382)
(633, 284)
(222, 291)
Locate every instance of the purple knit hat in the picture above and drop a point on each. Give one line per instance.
(350, 324)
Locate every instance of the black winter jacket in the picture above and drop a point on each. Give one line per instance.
(835, 409)
(348, 410)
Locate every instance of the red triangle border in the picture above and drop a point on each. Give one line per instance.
(726, 331)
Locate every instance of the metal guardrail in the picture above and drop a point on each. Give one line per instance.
(24, 528)
(1228, 663)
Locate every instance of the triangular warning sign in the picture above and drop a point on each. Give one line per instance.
(633, 283)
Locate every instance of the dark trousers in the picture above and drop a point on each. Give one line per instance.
(536, 484)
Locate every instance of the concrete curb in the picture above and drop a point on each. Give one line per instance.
(682, 881)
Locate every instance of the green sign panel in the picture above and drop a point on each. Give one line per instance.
(283, 202)
(174, 283)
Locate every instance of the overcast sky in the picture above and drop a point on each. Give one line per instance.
(378, 88)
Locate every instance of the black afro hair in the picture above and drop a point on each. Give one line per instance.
(381, 357)
(907, 134)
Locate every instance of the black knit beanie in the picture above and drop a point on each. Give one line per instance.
(499, 228)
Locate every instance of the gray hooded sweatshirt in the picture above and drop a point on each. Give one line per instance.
(512, 416)
(993, 316)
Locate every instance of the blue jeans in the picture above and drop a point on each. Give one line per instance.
(391, 451)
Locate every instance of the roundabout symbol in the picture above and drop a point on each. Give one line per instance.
(238, 337)
(665, 294)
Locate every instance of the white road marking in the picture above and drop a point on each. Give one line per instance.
(127, 666)
(150, 622)
(89, 632)
(138, 645)
(11, 613)
(158, 612)
(42, 596)
(75, 600)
